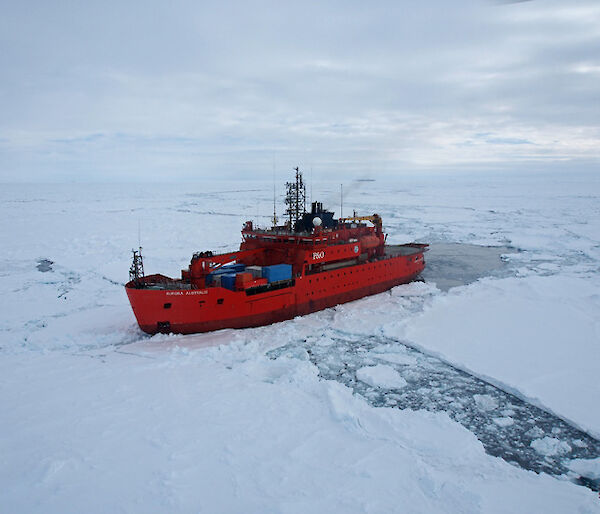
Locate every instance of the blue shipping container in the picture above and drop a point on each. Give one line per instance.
(228, 281)
(277, 272)
(228, 268)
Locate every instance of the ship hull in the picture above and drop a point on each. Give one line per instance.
(189, 311)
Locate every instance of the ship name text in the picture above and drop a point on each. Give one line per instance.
(186, 293)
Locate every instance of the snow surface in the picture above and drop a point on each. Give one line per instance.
(538, 334)
(97, 417)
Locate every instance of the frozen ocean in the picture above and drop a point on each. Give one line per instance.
(474, 389)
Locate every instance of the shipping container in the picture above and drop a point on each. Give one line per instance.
(254, 283)
(228, 268)
(228, 281)
(277, 272)
(241, 279)
(255, 270)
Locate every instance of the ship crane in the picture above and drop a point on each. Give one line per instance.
(375, 219)
(204, 263)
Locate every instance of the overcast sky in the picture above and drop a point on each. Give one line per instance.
(187, 90)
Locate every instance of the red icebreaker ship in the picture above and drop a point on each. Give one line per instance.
(310, 263)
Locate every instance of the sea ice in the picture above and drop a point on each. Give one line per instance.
(536, 335)
(97, 417)
(395, 357)
(504, 421)
(586, 467)
(381, 376)
(550, 446)
(485, 402)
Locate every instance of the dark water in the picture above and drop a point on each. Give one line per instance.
(44, 265)
(456, 264)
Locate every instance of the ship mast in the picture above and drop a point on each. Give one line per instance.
(274, 209)
(136, 272)
(295, 199)
(275, 219)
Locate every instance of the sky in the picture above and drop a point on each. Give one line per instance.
(190, 90)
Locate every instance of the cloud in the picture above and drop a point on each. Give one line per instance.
(130, 91)
(508, 141)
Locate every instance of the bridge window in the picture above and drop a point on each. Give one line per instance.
(220, 301)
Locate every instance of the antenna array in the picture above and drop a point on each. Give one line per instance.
(295, 199)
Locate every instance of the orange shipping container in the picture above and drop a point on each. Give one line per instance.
(242, 278)
(256, 282)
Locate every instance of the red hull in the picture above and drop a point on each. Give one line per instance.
(201, 310)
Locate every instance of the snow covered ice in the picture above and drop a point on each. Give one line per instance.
(507, 426)
(434, 397)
